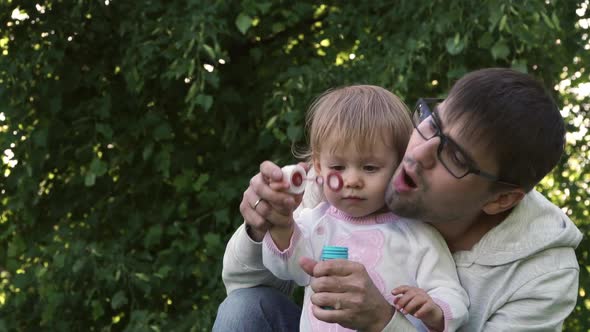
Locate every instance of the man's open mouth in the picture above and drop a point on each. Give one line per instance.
(408, 180)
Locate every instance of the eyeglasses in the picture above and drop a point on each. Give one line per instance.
(451, 155)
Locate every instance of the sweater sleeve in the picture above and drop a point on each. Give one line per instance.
(242, 261)
(437, 275)
(399, 323)
(542, 304)
(312, 196)
(285, 264)
(243, 268)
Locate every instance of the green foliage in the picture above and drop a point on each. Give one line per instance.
(129, 131)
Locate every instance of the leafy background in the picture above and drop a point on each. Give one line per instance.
(129, 130)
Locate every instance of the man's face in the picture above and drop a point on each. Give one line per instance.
(422, 188)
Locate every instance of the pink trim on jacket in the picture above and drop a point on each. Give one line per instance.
(447, 313)
(380, 218)
(285, 254)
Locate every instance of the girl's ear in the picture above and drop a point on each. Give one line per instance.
(504, 201)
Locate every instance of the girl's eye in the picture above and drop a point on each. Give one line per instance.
(338, 168)
(371, 168)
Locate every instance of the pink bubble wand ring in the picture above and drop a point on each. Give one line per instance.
(297, 177)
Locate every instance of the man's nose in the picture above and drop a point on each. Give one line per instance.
(424, 152)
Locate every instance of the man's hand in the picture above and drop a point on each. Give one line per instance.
(346, 287)
(275, 206)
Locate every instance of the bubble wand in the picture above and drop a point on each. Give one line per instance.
(296, 176)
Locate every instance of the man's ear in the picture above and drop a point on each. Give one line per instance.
(504, 201)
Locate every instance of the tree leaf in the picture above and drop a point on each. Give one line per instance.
(455, 45)
(98, 167)
(40, 137)
(213, 240)
(201, 181)
(500, 50)
(264, 7)
(163, 132)
(153, 236)
(118, 300)
(485, 41)
(147, 151)
(555, 21)
(89, 179)
(243, 22)
(547, 21)
(105, 130)
(209, 51)
(520, 65)
(294, 133)
(97, 310)
(205, 101)
(79, 265)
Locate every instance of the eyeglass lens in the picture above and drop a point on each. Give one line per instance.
(449, 154)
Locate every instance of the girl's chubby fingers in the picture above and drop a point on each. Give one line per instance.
(413, 306)
(400, 302)
(423, 311)
(400, 290)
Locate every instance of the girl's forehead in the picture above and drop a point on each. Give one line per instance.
(362, 139)
(364, 148)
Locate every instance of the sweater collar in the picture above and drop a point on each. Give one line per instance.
(378, 218)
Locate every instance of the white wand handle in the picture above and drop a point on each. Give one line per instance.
(296, 176)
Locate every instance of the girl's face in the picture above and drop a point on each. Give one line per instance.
(365, 171)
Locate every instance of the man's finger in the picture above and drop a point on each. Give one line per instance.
(307, 264)
(330, 315)
(271, 171)
(251, 215)
(283, 202)
(337, 267)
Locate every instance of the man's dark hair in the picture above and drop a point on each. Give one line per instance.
(514, 117)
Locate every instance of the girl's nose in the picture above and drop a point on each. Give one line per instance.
(352, 179)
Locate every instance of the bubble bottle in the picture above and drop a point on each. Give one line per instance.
(333, 252)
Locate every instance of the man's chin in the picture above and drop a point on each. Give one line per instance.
(401, 206)
(394, 202)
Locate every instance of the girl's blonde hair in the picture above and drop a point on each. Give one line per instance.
(359, 115)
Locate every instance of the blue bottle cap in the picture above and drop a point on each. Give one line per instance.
(334, 252)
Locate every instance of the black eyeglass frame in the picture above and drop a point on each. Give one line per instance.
(422, 103)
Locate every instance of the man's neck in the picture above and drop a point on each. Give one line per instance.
(464, 235)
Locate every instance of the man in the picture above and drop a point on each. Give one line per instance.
(468, 170)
